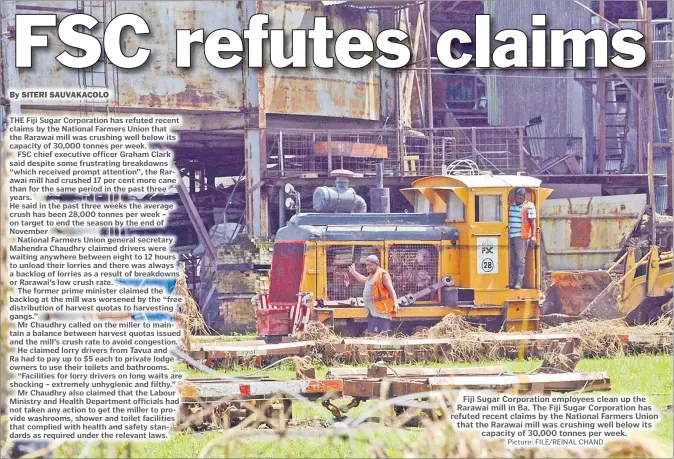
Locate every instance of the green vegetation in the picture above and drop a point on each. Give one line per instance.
(647, 375)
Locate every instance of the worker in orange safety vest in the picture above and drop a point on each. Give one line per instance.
(522, 234)
(379, 296)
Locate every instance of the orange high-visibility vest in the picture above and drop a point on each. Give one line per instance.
(526, 223)
(381, 297)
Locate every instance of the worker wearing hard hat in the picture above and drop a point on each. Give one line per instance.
(378, 294)
(522, 234)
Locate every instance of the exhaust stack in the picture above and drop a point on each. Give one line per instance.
(380, 197)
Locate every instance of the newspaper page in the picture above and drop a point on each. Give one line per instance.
(329, 229)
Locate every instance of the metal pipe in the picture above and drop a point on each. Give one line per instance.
(474, 142)
(281, 207)
(444, 153)
(615, 265)
(520, 144)
(601, 96)
(640, 130)
(670, 5)
(379, 167)
(651, 89)
(280, 153)
(329, 152)
(429, 77)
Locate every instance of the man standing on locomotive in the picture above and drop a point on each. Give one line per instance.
(378, 294)
(522, 234)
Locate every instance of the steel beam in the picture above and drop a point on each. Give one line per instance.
(197, 223)
(650, 120)
(255, 140)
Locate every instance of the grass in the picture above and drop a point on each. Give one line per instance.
(191, 446)
(647, 375)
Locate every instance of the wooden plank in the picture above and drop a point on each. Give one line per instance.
(229, 350)
(395, 343)
(504, 337)
(352, 149)
(646, 339)
(565, 382)
(350, 372)
(550, 382)
(222, 387)
(501, 338)
(211, 345)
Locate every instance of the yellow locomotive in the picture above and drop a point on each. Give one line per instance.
(450, 256)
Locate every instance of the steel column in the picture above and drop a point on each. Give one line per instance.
(601, 95)
(588, 129)
(197, 223)
(255, 140)
(281, 207)
(650, 102)
(429, 77)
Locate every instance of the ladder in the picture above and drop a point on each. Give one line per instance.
(617, 115)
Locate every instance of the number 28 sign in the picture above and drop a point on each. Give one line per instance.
(487, 255)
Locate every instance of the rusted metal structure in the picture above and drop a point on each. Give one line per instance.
(265, 126)
(633, 288)
(586, 233)
(225, 118)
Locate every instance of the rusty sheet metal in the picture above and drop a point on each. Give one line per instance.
(585, 233)
(159, 84)
(334, 92)
(351, 149)
(571, 292)
(46, 72)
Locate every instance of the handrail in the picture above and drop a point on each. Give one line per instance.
(620, 260)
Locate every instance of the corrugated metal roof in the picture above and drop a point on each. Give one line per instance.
(613, 165)
(661, 199)
(661, 192)
(660, 164)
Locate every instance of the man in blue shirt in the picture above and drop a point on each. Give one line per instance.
(522, 233)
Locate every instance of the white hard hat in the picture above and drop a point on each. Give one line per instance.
(373, 259)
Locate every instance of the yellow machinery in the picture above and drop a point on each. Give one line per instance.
(459, 228)
(635, 290)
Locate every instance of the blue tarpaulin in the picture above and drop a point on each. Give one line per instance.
(168, 285)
